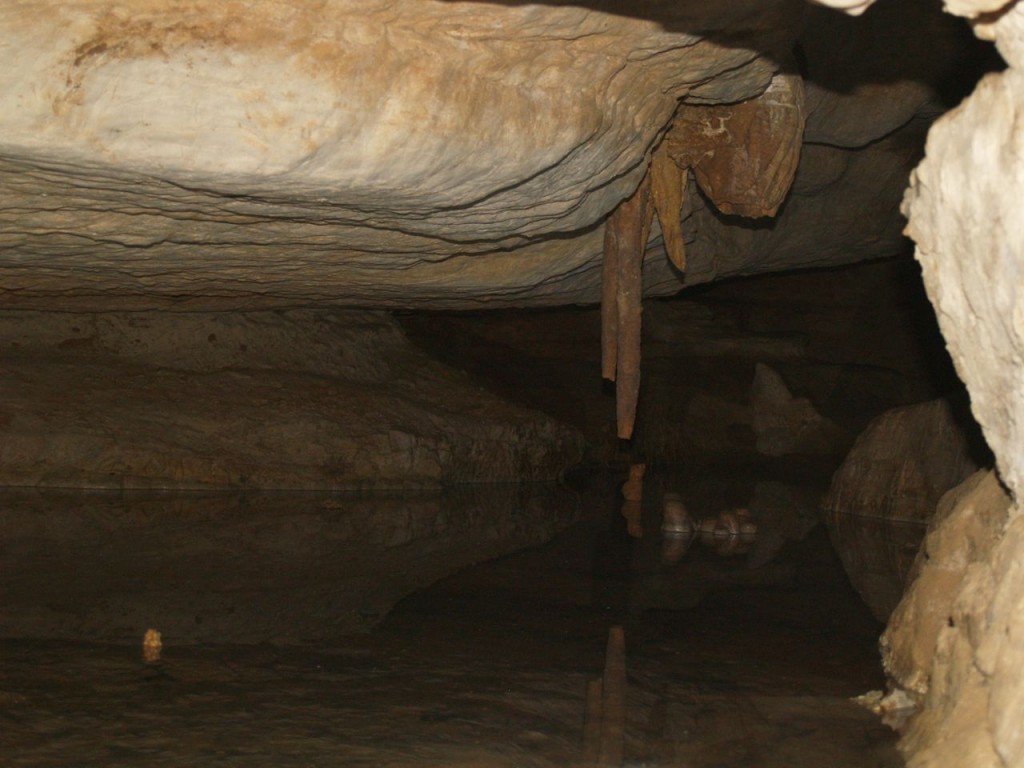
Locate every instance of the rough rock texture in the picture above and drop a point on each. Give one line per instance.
(960, 537)
(210, 154)
(964, 212)
(888, 487)
(955, 640)
(743, 155)
(303, 399)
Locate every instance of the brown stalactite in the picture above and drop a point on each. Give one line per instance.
(667, 193)
(609, 289)
(637, 214)
(625, 241)
(744, 156)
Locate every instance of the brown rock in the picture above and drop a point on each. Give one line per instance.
(952, 641)
(303, 399)
(887, 488)
(744, 156)
(785, 424)
(963, 531)
(205, 156)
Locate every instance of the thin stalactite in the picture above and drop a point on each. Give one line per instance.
(609, 289)
(625, 242)
(667, 192)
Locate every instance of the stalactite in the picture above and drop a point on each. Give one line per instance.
(609, 290)
(667, 192)
(625, 241)
(744, 157)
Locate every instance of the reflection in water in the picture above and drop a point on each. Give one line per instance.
(878, 555)
(104, 566)
(699, 537)
(739, 661)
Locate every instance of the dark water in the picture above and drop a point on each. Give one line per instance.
(736, 655)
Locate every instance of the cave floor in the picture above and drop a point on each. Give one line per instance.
(734, 659)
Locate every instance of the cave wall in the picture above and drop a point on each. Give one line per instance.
(305, 399)
(955, 643)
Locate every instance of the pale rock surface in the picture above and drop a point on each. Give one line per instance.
(304, 399)
(389, 134)
(964, 212)
(205, 155)
(953, 643)
(967, 522)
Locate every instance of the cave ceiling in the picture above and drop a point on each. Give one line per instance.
(202, 154)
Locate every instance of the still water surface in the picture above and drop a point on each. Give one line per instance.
(432, 630)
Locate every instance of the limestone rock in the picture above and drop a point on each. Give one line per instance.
(785, 424)
(953, 643)
(888, 488)
(964, 211)
(212, 155)
(904, 462)
(964, 214)
(962, 533)
(305, 399)
(388, 135)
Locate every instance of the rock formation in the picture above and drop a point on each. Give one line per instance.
(887, 490)
(964, 215)
(784, 424)
(302, 399)
(190, 155)
(206, 155)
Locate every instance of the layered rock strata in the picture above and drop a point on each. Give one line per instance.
(303, 399)
(221, 155)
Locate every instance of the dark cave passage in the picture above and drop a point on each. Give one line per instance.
(461, 626)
